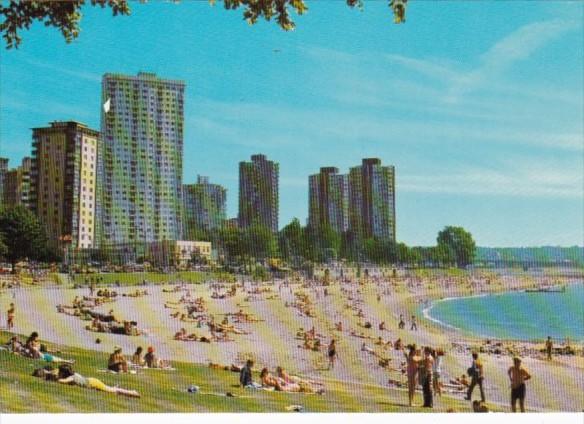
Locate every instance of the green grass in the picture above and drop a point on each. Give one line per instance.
(165, 391)
(136, 278)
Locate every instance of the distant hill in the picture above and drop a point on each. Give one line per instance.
(534, 256)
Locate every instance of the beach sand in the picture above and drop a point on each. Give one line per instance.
(555, 386)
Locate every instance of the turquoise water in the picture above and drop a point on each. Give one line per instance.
(515, 315)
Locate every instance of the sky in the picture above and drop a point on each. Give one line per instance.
(478, 105)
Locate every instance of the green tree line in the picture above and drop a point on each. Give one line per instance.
(297, 244)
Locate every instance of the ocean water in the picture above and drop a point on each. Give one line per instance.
(515, 315)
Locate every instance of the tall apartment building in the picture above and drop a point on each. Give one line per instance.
(258, 193)
(204, 206)
(3, 170)
(140, 161)
(17, 185)
(328, 200)
(372, 200)
(63, 177)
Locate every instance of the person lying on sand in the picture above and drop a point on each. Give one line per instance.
(221, 337)
(460, 381)
(183, 336)
(367, 349)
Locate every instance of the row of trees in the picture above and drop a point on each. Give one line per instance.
(296, 244)
(23, 236)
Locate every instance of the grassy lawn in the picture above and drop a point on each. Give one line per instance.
(136, 278)
(165, 391)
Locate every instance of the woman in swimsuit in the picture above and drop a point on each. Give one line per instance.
(412, 361)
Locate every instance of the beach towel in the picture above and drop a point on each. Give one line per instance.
(107, 371)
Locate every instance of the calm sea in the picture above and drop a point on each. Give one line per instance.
(515, 315)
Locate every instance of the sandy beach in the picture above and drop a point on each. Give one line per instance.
(556, 386)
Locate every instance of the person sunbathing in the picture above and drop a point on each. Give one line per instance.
(288, 379)
(230, 329)
(268, 380)
(117, 362)
(137, 358)
(367, 349)
(33, 346)
(183, 336)
(152, 361)
(55, 359)
(462, 381)
(66, 375)
(175, 289)
(15, 346)
(64, 309)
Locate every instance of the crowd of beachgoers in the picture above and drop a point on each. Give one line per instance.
(408, 366)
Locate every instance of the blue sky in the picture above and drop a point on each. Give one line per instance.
(479, 105)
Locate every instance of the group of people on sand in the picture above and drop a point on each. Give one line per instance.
(281, 381)
(423, 367)
(101, 322)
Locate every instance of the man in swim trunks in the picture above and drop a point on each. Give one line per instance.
(518, 376)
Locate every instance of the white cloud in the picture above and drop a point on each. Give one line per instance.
(538, 180)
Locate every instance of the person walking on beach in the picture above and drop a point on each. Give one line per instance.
(10, 316)
(549, 345)
(475, 372)
(518, 376)
(401, 325)
(414, 326)
(332, 354)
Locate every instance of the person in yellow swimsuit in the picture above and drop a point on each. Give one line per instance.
(67, 376)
